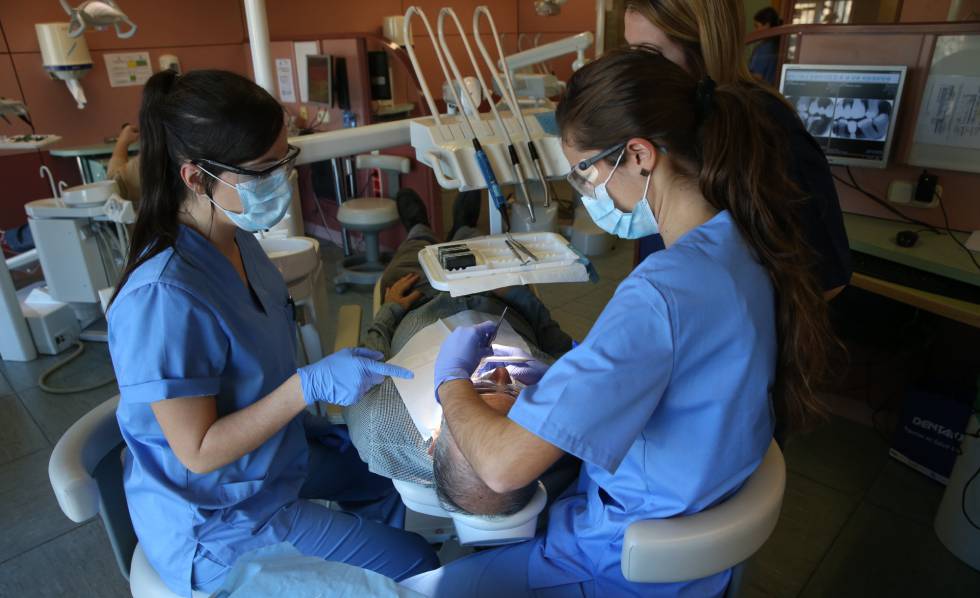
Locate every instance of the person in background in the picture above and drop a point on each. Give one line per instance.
(765, 55)
(123, 169)
(707, 38)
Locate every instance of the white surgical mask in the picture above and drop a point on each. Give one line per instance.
(626, 225)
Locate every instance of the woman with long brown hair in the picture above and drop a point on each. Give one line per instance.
(669, 400)
(707, 38)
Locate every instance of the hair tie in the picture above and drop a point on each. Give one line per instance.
(704, 98)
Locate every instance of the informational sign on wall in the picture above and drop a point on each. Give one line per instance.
(951, 112)
(128, 69)
(284, 74)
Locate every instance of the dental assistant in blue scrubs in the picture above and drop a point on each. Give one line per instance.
(669, 400)
(201, 333)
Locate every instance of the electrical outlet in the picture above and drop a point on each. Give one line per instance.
(902, 193)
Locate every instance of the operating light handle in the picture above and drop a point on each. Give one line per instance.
(492, 186)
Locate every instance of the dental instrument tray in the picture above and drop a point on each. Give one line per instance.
(487, 263)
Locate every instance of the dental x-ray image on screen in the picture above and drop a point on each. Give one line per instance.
(849, 110)
(817, 114)
(861, 119)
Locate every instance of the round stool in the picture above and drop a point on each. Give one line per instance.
(369, 216)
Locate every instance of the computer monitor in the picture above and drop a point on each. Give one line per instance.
(849, 110)
(319, 79)
(380, 74)
(341, 86)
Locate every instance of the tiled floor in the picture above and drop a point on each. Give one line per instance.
(854, 522)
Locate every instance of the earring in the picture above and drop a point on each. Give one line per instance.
(644, 172)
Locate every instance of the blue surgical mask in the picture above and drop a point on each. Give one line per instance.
(265, 200)
(626, 225)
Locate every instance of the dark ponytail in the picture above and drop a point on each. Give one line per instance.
(721, 137)
(202, 114)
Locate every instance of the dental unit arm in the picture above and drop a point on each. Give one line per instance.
(576, 43)
(480, 156)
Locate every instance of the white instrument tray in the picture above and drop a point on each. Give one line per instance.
(497, 266)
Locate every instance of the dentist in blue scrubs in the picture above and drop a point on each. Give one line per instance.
(201, 333)
(669, 400)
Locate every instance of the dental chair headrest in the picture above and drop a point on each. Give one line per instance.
(484, 530)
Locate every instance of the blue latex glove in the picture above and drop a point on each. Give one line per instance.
(527, 373)
(461, 352)
(344, 377)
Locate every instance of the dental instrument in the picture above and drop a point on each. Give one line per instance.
(496, 328)
(508, 91)
(514, 159)
(524, 261)
(521, 247)
(493, 187)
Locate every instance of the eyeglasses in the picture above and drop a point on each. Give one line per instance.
(584, 175)
(288, 161)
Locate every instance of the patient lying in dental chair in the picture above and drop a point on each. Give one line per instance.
(380, 425)
(459, 488)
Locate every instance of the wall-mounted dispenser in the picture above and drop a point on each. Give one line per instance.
(65, 58)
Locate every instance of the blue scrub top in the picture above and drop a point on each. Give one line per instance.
(185, 325)
(666, 402)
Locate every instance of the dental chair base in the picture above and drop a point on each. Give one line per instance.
(476, 530)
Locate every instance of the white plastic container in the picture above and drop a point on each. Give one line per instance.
(497, 266)
(92, 194)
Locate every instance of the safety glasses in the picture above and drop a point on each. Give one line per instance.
(584, 176)
(286, 162)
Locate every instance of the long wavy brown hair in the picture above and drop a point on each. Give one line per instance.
(711, 32)
(724, 141)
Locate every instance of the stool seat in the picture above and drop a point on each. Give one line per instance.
(144, 582)
(368, 213)
(695, 546)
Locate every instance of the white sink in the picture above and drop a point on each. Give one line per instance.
(92, 194)
(294, 257)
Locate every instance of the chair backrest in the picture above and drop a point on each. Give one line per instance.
(716, 539)
(85, 471)
(75, 457)
(390, 167)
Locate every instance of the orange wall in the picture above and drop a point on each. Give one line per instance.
(938, 11)
(924, 10)
(205, 34)
(915, 51)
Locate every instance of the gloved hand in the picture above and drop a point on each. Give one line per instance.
(527, 372)
(344, 377)
(461, 352)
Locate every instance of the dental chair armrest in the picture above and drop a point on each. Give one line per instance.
(75, 457)
(716, 539)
